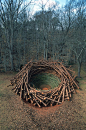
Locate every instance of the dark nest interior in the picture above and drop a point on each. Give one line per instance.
(44, 83)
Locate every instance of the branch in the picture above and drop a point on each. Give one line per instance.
(25, 7)
(81, 51)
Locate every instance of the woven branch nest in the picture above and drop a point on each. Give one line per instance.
(23, 88)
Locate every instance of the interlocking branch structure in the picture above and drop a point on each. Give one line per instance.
(59, 94)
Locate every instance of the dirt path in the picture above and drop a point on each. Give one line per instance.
(17, 115)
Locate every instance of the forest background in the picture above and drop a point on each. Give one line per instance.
(56, 32)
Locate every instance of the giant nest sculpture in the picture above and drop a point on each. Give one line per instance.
(52, 96)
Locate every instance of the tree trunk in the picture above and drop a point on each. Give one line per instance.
(79, 68)
(37, 45)
(53, 50)
(4, 58)
(19, 54)
(44, 50)
(11, 43)
(47, 50)
(11, 60)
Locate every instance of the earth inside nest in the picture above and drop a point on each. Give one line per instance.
(44, 81)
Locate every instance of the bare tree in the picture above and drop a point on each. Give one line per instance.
(77, 34)
(9, 12)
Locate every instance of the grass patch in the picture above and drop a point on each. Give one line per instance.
(1, 82)
(45, 79)
(1, 94)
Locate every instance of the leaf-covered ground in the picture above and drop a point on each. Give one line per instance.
(18, 115)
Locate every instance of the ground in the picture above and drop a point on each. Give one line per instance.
(18, 115)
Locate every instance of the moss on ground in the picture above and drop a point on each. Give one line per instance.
(45, 79)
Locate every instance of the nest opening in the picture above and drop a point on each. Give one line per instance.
(44, 81)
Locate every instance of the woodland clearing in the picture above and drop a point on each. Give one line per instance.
(18, 115)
